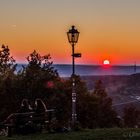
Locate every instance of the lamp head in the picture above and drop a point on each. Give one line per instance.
(73, 35)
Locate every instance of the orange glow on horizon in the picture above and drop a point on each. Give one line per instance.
(108, 30)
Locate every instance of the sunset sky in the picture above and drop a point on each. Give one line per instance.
(109, 29)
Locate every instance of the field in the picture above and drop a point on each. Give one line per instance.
(94, 134)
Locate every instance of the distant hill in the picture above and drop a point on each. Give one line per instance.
(65, 70)
(123, 89)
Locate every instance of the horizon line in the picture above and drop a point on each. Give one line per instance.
(89, 64)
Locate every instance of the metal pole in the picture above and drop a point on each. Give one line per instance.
(73, 62)
(74, 115)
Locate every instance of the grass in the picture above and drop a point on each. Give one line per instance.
(88, 134)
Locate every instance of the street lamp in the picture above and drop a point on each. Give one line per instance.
(73, 35)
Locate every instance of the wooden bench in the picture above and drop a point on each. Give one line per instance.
(29, 122)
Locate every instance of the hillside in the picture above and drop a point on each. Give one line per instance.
(123, 89)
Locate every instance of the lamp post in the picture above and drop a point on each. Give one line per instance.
(73, 35)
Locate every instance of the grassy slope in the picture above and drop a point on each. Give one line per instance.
(94, 134)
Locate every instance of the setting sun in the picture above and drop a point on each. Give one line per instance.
(106, 62)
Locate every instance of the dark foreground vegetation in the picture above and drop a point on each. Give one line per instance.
(39, 80)
(87, 134)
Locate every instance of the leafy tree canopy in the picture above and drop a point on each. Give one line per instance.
(7, 62)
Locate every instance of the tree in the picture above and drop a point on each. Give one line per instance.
(62, 100)
(36, 78)
(7, 62)
(93, 110)
(7, 78)
(131, 116)
(105, 115)
(87, 111)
